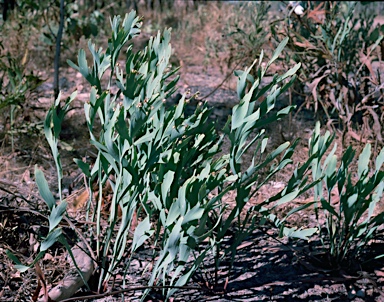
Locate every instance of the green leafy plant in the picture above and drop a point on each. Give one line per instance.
(37, 28)
(351, 221)
(16, 85)
(87, 25)
(243, 34)
(162, 165)
(336, 46)
(166, 171)
(57, 209)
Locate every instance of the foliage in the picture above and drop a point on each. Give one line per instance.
(351, 221)
(162, 166)
(336, 46)
(39, 22)
(242, 34)
(52, 129)
(83, 21)
(166, 171)
(245, 32)
(15, 83)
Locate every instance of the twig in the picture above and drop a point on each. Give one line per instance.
(7, 183)
(8, 209)
(46, 218)
(48, 25)
(132, 289)
(225, 79)
(14, 194)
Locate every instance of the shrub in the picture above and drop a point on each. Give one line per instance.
(166, 170)
(336, 46)
(245, 32)
(351, 221)
(242, 34)
(16, 85)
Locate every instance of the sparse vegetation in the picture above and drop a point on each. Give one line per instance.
(161, 202)
(350, 203)
(336, 45)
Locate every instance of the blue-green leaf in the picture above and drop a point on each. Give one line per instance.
(166, 185)
(43, 187)
(85, 168)
(142, 233)
(51, 239)
(379, 160)
(57, 215)
(364, 160)
(278, 50)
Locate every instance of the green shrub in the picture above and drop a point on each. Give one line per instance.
(15, 82)
(167, 169)
(30, 25)
(351, 221)
(16, 85)
(245, 32)
(336, 46)
(242, 35)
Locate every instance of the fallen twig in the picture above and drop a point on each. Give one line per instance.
(97, 296)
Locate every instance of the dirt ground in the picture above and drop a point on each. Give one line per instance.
(266, 269)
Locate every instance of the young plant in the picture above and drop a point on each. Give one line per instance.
(165, 168)
(336, 46)
(245, 32)
(16, 85)
(166, 171)
(57, 209)
(351, 221)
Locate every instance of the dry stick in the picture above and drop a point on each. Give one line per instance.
(48, 25)
(13, 194)
(7, 183)
(132, 289)
(57, 53)
(225, 79)
(21, 209)
(19, 194)
(294, 251)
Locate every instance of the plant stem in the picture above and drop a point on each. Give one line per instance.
(56, 87)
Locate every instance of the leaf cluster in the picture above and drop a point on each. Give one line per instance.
(337, 45)
(169, 177)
